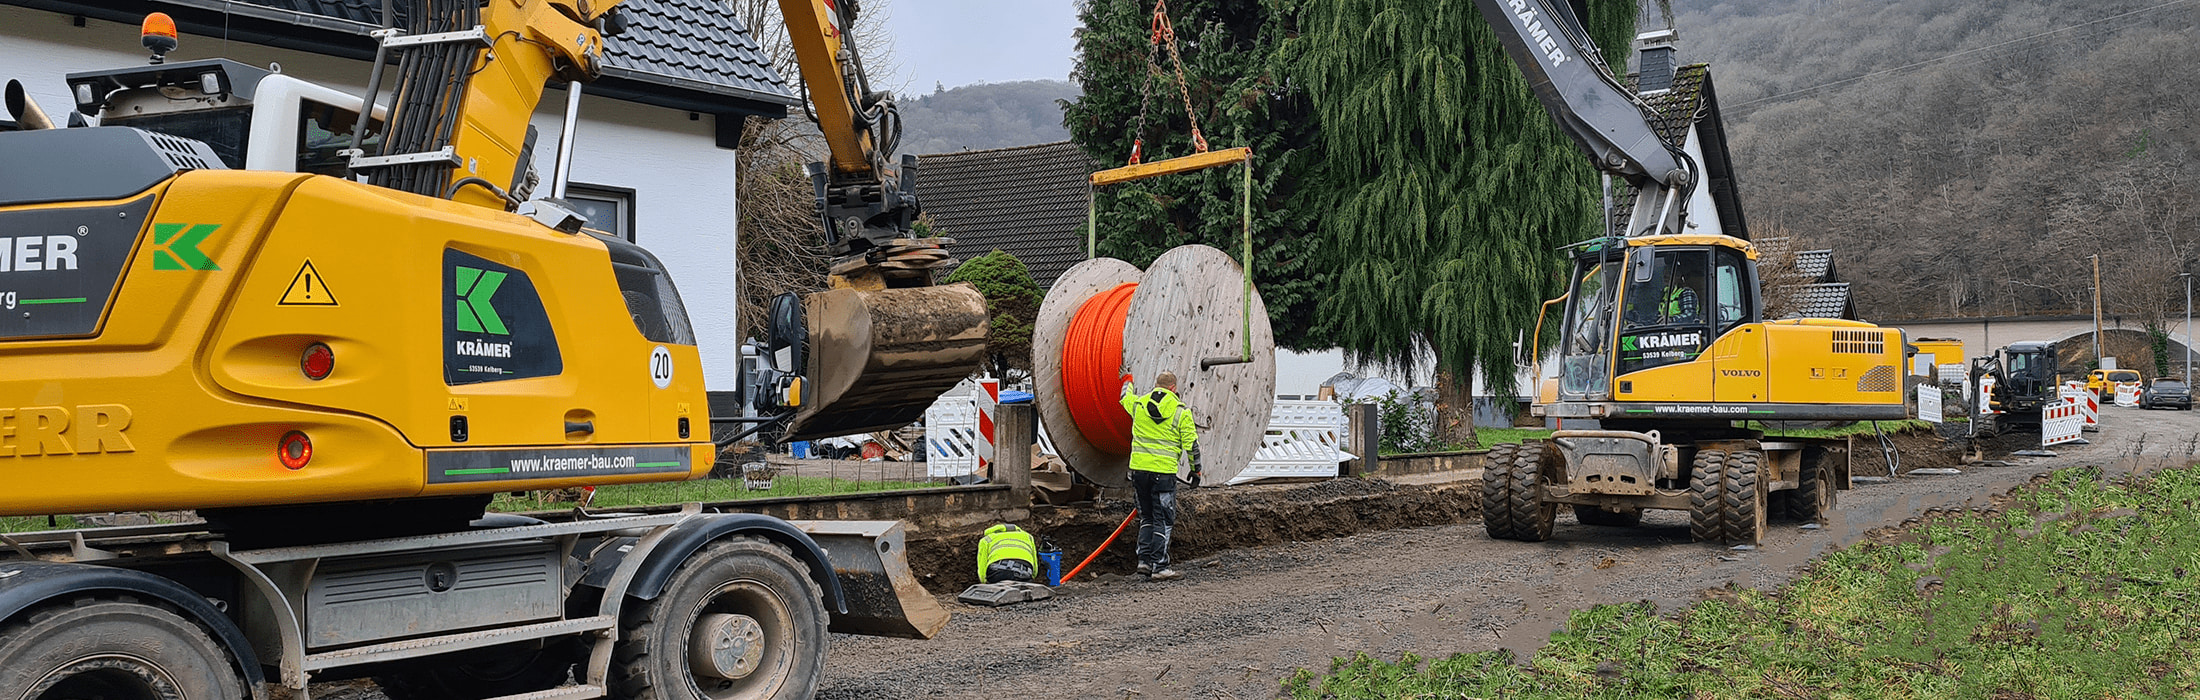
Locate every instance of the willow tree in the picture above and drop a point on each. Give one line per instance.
(1233, 89)
(1446, 187)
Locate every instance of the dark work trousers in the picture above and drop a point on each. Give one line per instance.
(1156, 515)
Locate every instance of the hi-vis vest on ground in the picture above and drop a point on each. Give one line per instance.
(1161, 430)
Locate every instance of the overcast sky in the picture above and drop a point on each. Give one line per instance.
(959, 42)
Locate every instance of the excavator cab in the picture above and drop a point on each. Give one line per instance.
(1637, 304)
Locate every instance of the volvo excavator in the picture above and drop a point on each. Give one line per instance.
(1666, 365)
(167, 342)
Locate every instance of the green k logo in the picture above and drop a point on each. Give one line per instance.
(176, 247)
(1627, 344)
(475, 288)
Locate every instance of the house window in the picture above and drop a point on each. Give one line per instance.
(609, 209)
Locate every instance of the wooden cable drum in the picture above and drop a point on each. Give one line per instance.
(1048, 338)
(1190, 306)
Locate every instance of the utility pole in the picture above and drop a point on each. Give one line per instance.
(2188, 329)
(2096, 308)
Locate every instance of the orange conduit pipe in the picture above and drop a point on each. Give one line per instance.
(1103, 546)
(1092, 369)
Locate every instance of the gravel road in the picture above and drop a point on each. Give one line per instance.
(1241, 621)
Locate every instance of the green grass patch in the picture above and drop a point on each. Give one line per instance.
(36, 523)
(1889, 427)
(699, 491)
(2084, 588)
(1485, 437)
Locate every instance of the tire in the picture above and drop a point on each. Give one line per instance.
(1744, 499)
(1706, 505)
(747, 588)
(1532, 517)
(1592, 515)
(501, 673)
(1814, 492)
(1496, 483)
(114, 649)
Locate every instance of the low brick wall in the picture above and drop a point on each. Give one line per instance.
(1428, 462)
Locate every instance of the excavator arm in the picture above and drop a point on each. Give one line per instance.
(1609, 122)
(866, 206)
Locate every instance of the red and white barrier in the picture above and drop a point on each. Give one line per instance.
(2061, 422)
(2127, 394)
(988, 398)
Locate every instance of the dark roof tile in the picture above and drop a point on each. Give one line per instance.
(1028, 201)
(697, 41)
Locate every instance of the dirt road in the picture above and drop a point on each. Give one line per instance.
(1241, 621)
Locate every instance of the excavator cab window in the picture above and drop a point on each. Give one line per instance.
(1584, 365)
(1733, 289)
(1666, 319)
(651, 300)
(323, 130)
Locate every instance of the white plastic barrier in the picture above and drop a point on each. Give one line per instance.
(1928, 402)
(2089, 405)
(2127, 394)
(951, 437)
(1303, 440)
(2061, 422)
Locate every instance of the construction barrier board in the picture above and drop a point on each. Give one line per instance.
(1928, 402)
(2127, 394)
(1304, 439)
(2060, 423)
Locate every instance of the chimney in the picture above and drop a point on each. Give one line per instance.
(1655, 68)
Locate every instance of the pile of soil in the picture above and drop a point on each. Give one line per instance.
(1213, 520)
(1919, 449)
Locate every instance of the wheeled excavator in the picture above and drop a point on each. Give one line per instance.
(169, 342)
(1666, 366)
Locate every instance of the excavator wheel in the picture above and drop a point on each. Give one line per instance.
(1814, 492)
(740, 620)
(1592, 515)
(1706, 505)
(1531, 516)
(113, 648)
(1496, 472)
(1744, 498)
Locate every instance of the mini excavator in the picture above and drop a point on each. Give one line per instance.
(169, 342)
(1663, 344)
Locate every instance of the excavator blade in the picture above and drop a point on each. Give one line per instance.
(870, 557)
(878, 358)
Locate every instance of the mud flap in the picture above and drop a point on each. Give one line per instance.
(870, 558)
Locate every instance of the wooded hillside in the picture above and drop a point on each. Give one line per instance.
(1963, 158)
(986, 115)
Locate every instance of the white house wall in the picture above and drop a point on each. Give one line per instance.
(684, 185)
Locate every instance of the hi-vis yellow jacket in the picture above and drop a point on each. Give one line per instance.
(1161, 430)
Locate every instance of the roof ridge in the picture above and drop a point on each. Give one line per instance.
(1034, 146)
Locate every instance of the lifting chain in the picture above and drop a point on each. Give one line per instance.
(1163, 34)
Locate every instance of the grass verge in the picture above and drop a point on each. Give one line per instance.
(2081, 588)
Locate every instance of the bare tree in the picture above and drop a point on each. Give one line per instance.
(782, 244)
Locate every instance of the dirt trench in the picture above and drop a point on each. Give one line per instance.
(1212, 521)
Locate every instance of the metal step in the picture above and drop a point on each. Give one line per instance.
(430, 646)
(577, 692)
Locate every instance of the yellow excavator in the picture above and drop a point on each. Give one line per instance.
(1666, 366)
(169, 342)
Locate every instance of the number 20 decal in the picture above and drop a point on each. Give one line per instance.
(660, 366)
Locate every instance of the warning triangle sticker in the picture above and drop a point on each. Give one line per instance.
(307, 289)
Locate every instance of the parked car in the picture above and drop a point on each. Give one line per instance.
(2166, 392)
(2102, 382)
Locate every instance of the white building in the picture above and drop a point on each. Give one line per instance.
(653, 159)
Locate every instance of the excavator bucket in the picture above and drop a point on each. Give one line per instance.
(870, 557)
(878, 358)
